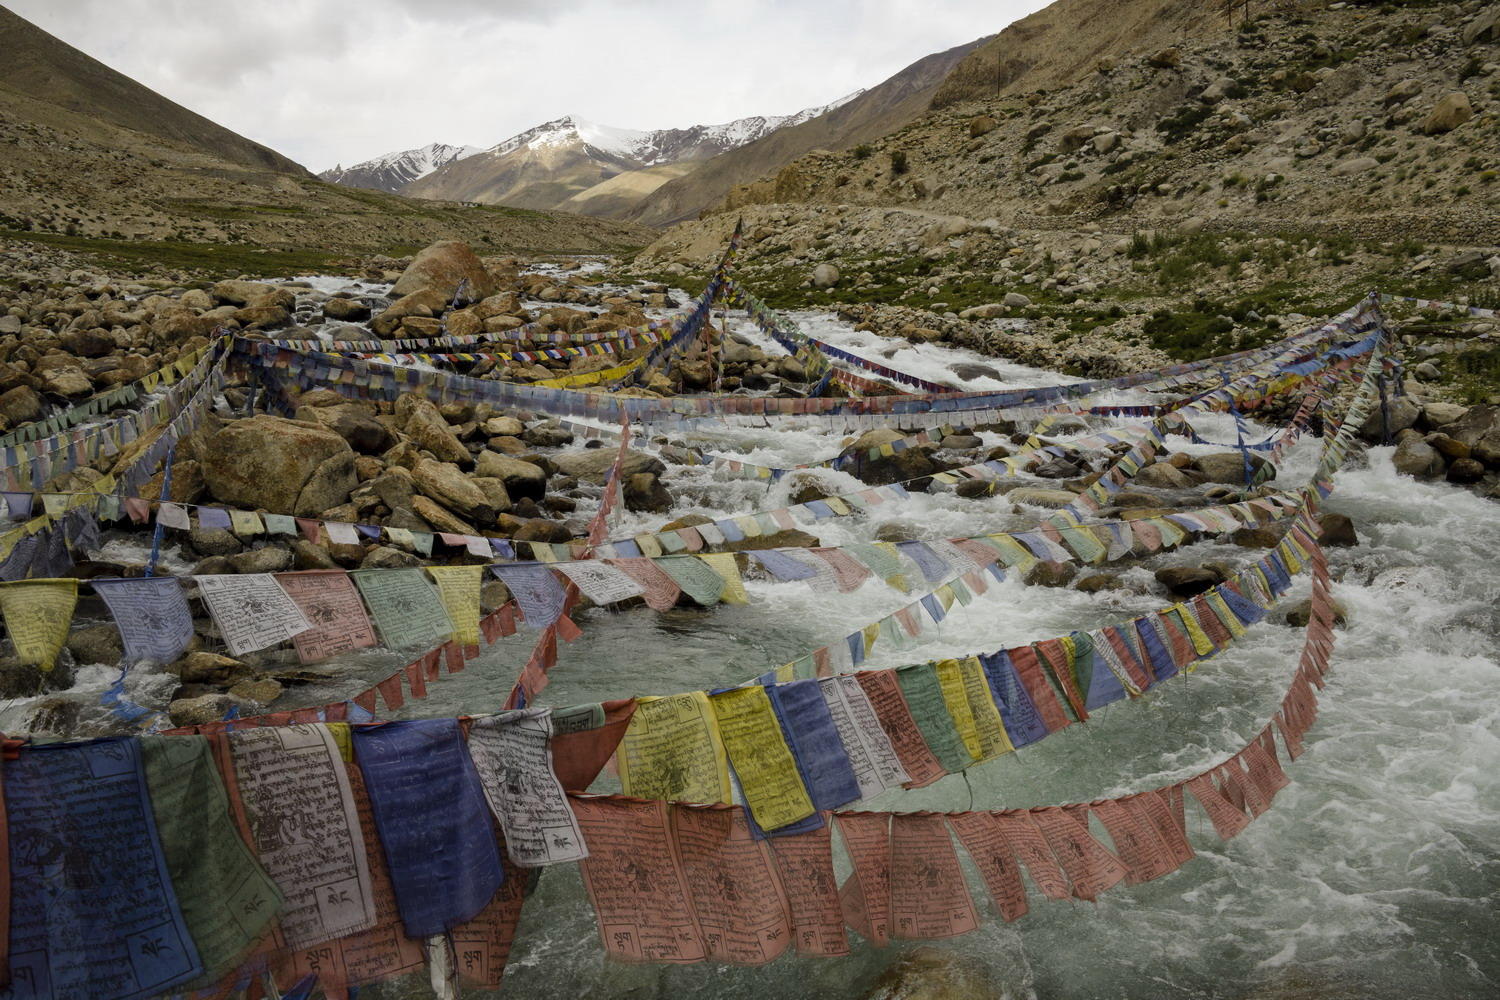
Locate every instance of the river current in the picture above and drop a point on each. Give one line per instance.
(1376, 873)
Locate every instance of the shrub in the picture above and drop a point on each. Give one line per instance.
(898, 161)
(863, 151)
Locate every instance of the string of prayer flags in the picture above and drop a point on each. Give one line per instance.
(93, 907)
(37, 615)
(251, 610)
(433, 821)
(512, 752)
(405, 605)
(331, 605)
(673, 750)
(299, 806)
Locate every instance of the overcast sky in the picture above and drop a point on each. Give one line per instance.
(331, 81)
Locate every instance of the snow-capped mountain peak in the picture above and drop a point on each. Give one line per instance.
(393, 171)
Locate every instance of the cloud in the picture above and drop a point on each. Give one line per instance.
(328, 82)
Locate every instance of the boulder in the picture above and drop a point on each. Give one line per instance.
(202, 709)
(266, 559)
(445, 483)
(88, 343)
(521, 478)
(1448, 113)
(96, 644)
(235, 292)
(1256, 538)
(1168, 58)
(1401, 92)
(879, 470)
(786, 539)
(1355, 165)
(418, 305)
(1048, 573)
(1299, 614)
(346, 310)
(1415, 457)
(1188, 581)
(66, 380)
(1229, 467)
(386, 557)
(1483, 27)
(355, 423)
(266, 462)
(1399, 414)
(203, 667)
(1039, 497)
(592, 465)
(328, 486)
(982, 125)
(1163, 476)
(1479, 428)
(1338, 530)
(1016, 300)
(441, 268)
(825, 275)
(20, 405)
(644, 492)
(1465, 470)
(421, 421)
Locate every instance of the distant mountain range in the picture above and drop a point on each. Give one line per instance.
(394, 171)
(568, 163)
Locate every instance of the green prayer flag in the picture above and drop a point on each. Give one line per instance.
(924, 696)
(405, 605)
(227, 899)
(697, 578)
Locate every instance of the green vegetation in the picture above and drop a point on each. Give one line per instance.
(898, 162)
(218, 259)
(863, 151)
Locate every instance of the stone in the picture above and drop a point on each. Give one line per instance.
(96, 644)
(1434, 415)
(1400, 413)
(1451, 111)
(445, 483)
(503, 426)
(1415, 457)
(521, 478)
(1354, 165)
(200, 710)
(1299, 614)
(236, 292)
(539, 529)
(825, 275)
(56, 716)
(214, 541)
(644, 492)
(420, 420)
(592, 465)
(265, 462)
(971, 489)
(1163, 476)
(879, 470)
(203, 667)
(1095, 582)
(419, 305)
(1167, 58)
(1229, 467)
(266, 559)
(1338, 531)
(1188, 581)
(1016, 300)
(1256, 538)
(1401, 92)
(498, 496)
(354, 422)
(547, 435)
(346, 310)
(441, 267)
(440, 517)
(1449, 447)
(306, 555)
(20, 405)
(66, 380)
(388, 557)
(88, 343)
(260, 691)
(328, 486)
(1049, 573)
(24, 680)
(1039, 497)
(1465, 470)
(982, 125)
(1483, 27)
(1479, 428)
(960, 442)
(788, 538)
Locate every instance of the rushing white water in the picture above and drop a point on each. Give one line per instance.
(1376, 874)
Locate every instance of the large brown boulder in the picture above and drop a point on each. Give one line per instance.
(593, 464)
(521, 478)
(1228, 467)
(443, 482)
(879, 470)
(270, 462)
(1448, 114)
(421, 304)
(421, 421)
(1479, 428)
(441, 267)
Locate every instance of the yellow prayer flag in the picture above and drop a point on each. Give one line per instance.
(1202, 644)
(672, 749)
(762, 760)
(246, 522)
(459, 587)
(342, 738)
(37, 615)
(951, 682)
(993, 739)
(734, 588)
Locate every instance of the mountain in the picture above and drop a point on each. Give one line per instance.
(100, 162)
(41, 68)
(394, 171)
(558, 162)
(864, 116)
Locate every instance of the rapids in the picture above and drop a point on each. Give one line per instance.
(1376, 874)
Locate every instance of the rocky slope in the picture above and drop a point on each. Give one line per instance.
(1176, 199)
(570, 163)
(874, 112)
(393, 171)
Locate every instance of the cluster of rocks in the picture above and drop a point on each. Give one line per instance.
(1441, 441)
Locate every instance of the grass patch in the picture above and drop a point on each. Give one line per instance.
(217, 259)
